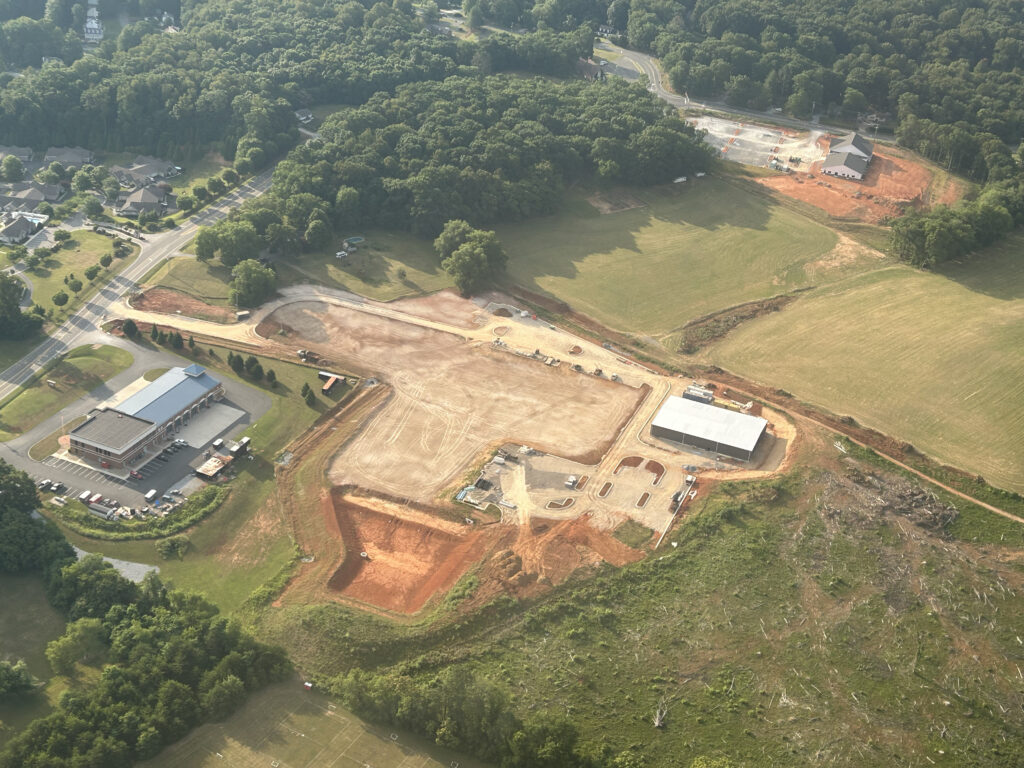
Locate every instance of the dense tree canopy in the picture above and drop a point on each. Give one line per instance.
(14, 324)
(482, 150)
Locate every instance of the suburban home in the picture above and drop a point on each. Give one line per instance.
(155, 198)
(93, 31)
(69, 157)
(27, 195)
(15, 230)
(848, 157)
(144, 171)
(22, 153)
(304, 116)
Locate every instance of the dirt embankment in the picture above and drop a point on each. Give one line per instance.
(170, 302)
(705, 330)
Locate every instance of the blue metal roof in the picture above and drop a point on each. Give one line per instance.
(169, 395)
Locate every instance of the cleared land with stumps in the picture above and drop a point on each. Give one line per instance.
(934, 359)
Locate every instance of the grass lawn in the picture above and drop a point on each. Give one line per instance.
(288, 726)
(27, 624)
(51, 443)
(373, 270)
(691, 249)
(246, 541)
(87, 247)
(198, 172)
(932, 358)
(320, 111)
(155, 374)
(79, 372)
(206, 281)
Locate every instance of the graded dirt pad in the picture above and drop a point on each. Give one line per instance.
(891, 183)
(171, 302)
(451, 400)
(556, 549)
(411, 555)
(560, 503)
(444, 306)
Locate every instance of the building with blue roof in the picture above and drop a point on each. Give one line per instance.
(123, 436)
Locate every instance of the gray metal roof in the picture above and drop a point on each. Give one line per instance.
(847, 160)
(852, 139)
(719, 425)
(112, 430)
(169, 395)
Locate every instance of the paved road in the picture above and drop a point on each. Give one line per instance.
(650, 67)
(155, 250)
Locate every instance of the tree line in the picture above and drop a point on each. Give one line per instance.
(480, 150)
(169, 660)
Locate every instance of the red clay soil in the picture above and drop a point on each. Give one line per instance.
(560, 504)
(408, 562)
(629, 461)
(642, 502)
(582, 482)
(604, 490)
(171, 302)
(891, 184)
(657, 469)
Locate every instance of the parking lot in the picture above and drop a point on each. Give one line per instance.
(758, 144)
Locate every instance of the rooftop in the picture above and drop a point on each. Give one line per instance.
(845, 160)
(112, 430)
(719, 425)
(170, 394)
(855, 140)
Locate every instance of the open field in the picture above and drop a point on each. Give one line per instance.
(245, 542)
(206, 281)
(694, 248)
(933, 359)
(51, 443)
(78, 373)
(373, 270)
(87, 247)
(27, 624)
(198, 172)
(291, 728)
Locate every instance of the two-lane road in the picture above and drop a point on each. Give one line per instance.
(154, 251)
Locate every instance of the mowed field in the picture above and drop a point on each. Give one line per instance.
(934, 359)
(690, 249)
(287, 727)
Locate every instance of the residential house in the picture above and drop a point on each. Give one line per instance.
(22, 153)
(93, 31)
(304, 116)
(27, 195)
(69, 157)
(15, 229)
(852, 143)
(155, 198)
(144, 171)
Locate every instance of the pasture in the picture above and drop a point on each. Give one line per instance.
(288, 727)
(78, 373)
(934, 359)
(691, 249)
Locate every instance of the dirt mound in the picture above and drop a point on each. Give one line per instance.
(409, 556)
(445, 306)
(171, 302)
(502, 312)
(629, 461)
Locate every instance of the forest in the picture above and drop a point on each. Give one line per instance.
(484, 150)
(169, 660)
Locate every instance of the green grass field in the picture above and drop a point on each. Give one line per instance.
(935, 359)
(243, 543)
(197, 172)
(692, 249)
(78, 373)
(48, 278)
(206, 281)
(286, 726)
(372, 271)
(27, 624)
(12, 351)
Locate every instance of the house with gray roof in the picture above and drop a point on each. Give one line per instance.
(155, 198)
(69, 157)
(22, 153)
(15, 230)
(143, 171)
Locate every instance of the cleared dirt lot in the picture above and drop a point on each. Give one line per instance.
(892, 183)
(451, 399)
